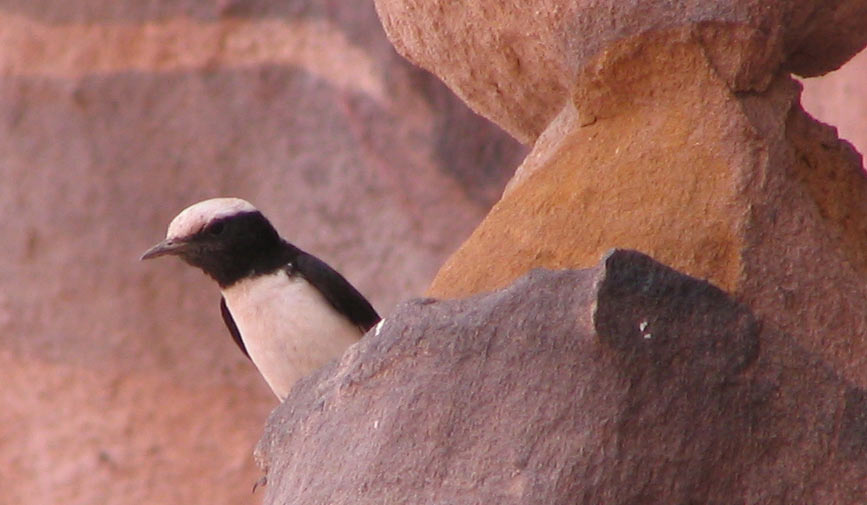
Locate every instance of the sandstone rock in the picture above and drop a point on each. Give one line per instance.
(625, 383)
(658, 154)
(516, 63)
(120, 383)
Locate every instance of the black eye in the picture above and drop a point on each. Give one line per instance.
(216, 228)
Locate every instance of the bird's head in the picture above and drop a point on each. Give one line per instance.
(226, 237)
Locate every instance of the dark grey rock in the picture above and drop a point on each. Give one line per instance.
(624, 383)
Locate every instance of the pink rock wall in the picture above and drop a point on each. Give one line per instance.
(840, 100)
(120, 384)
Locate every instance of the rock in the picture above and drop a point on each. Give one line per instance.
(120, 382)
(625, 383)
(659, 154)
(517, 63)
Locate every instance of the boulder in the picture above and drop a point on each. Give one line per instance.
(517, 62)
(624, 383)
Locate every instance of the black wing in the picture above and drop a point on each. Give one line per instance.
(233, 328)
(337, 290)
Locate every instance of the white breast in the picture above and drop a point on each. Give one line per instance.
(288, 327)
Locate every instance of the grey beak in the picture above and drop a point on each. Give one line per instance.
(167, 246)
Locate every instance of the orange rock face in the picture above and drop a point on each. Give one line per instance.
(661, 152)
(625, 179)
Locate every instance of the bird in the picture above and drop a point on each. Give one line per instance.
(287, 310)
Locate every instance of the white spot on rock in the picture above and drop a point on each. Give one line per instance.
(643, 326)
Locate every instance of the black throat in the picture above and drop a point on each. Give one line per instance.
(239, 247)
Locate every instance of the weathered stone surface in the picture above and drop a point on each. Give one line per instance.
(119, 382)
(658, 154)
(516, 63)
(625, 383)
